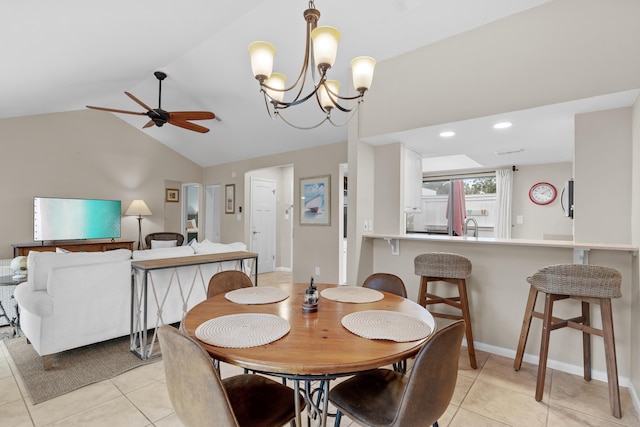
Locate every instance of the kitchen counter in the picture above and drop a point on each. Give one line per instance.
(498, 289)
(512, 242)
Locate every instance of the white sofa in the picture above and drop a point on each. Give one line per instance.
(79, 298)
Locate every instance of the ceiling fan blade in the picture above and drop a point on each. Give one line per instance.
(190, 126)
(191, 115)
(140, 103)
(148, 124)
(116, 111)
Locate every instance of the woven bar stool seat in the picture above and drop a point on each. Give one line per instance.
(449, 268)
(588, 284)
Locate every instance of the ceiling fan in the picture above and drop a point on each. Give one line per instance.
(159, 116)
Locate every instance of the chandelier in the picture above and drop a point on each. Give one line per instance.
(320, 54)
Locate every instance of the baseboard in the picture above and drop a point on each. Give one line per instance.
(564, 367)
(288, 269)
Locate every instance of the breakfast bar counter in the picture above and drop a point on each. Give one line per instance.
(498, 290)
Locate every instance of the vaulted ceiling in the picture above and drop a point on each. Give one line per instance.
(61, 56)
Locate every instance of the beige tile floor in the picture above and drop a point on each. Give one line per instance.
(492, 395)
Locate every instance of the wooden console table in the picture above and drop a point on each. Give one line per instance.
(141, 271)
(22, 249)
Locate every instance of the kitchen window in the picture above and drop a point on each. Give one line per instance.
(451, 205)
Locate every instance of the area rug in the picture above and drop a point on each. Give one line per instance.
(72, 369)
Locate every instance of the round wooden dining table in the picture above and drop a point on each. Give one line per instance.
(317, 346)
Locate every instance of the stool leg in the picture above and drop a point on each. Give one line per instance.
(586, 341)
(544, 345)
(610, 356)
(422, 294)
(464, 301)
(526, 325)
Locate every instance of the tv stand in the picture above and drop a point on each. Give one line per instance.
(22, 249)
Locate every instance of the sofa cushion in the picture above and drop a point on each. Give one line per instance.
(174, 252)
(40, 263)
(207, 247)
(157, 244)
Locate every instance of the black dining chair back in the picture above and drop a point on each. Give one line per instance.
(385, 398)
(229, 280)
(164, 236)
(386, 282)
(200, 398)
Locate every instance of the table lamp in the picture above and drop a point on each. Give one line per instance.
(140, 208)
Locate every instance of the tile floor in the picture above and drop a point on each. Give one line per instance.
(492, 395)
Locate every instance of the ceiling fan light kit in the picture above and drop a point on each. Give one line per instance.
(159, 117)
(321, 48)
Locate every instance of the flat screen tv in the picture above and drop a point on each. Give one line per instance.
(75, 219)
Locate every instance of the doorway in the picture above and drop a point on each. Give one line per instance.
(190, 211)
(263, 222)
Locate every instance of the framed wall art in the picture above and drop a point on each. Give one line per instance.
(315, 200)
(172, 195)
(230, 198)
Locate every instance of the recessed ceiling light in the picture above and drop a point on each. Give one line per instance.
(447, 134)
(502, 125)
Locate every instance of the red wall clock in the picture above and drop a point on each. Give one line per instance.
(543, 193)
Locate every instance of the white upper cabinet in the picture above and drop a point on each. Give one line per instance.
(412, 181)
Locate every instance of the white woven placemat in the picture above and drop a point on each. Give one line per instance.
(386, 325)
(257, 295)
(356, 294)
(243, 330)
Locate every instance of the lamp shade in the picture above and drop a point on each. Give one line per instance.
(138, 207)
(262, 59)
(276, 81)
(325, 99)
(325, 45)
(362, 70)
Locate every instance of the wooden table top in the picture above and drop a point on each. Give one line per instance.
(160, 263)
(317, 343)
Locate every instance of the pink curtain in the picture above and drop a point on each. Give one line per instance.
(459, 208)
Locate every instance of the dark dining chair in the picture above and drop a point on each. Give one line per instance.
(200, 398)
(393, 284)
(229, 280)
(386, 282)
(385, 398)
(164, 236)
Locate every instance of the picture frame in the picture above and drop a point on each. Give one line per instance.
(315, 200)
(229, 198)
(172, 195)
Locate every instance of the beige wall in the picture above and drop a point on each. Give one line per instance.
(635, 240)
(389, 186)
(313, 246)
(498, 68)
(602, 168)
(83, 154)
(539, 220)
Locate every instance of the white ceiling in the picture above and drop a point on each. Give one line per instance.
(60, 56)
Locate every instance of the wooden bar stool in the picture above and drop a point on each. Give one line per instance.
(450, 268)
(588, 284)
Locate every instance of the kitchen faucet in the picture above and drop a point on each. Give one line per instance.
(466, 224)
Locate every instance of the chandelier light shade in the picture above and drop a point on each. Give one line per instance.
(325, 46)
(262, 59)
(321, 49)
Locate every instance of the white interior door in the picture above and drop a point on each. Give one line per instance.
(263, 223)
(212, 209)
